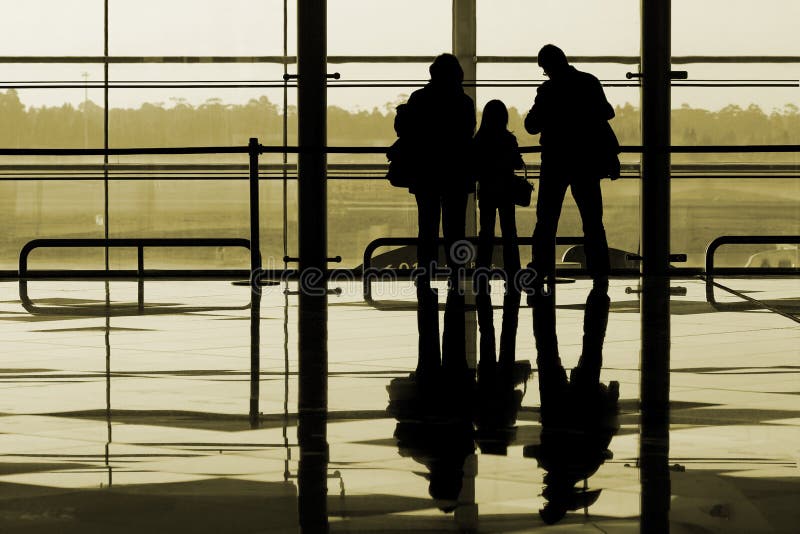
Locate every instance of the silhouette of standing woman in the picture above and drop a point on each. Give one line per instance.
(438, 126)
(571, 113)
(497, 155)
(441, 122)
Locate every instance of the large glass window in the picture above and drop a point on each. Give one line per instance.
(742, 89)
(217, 96)
(579, 27)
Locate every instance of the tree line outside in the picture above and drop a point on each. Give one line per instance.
(217, 123)
(358, 210)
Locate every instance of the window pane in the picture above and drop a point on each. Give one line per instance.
(52, 117)
(736, 115)
(704, 209)
(52, 27)
(384, 27)
(735, 27)
(191, 27)
(579, 27)
(32, 209)
(197, 116)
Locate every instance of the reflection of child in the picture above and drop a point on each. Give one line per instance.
(497, 155)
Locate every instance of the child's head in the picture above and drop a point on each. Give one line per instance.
(495, 116)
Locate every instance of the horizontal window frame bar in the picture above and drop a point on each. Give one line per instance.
(232, 168)
(334, 59)
(279, 85)
(277, 149)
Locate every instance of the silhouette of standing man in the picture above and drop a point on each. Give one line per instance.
(571, 113)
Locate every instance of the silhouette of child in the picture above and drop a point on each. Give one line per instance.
(497, 155)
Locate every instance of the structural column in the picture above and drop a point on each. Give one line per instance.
(465, 49)
(655, 250)
(312, 300)
(464, 34)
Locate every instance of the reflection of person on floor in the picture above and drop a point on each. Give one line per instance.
(579, 416)
(451, 361)
(441, 443)
(496, 156)
(434, 405)
(488, 355)
(571, 113)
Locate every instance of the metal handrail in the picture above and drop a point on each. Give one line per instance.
(711, 270)
(138, 243)
(369, 274)
(140, 273)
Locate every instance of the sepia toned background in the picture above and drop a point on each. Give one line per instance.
(204, 73)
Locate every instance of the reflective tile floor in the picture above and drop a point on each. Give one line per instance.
(139, 420)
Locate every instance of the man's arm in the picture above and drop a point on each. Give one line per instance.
(473, 119)
(606, 111)
(536, 117)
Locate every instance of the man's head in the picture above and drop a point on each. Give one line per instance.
(446, 69)
(552, 60)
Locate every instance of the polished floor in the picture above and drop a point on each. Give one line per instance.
(141, 420)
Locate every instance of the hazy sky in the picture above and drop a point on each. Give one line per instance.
(384, 27)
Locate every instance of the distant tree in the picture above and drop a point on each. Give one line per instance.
(216, 123)
(13, 119)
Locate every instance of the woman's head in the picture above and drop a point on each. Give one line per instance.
(495, 116)
(446, 69)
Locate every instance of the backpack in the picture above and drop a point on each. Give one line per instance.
(399, 173)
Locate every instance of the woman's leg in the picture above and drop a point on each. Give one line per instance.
(508, 225)
(429, 355)
(486, 232)
(427, 234)
(457, 251)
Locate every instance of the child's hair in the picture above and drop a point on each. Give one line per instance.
(495, 118)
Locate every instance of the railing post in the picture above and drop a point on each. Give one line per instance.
(255, 234)
(140, 273)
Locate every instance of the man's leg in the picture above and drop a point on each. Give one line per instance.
(548, 210)
(595, 323)
(590, 204)
(552, 376)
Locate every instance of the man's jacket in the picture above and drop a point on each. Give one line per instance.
(571, 112)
